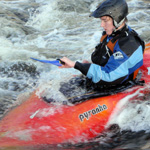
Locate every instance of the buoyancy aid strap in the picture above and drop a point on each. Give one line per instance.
(111, 45)
(103, 37)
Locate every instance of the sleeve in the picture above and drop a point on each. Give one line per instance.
(82, 67)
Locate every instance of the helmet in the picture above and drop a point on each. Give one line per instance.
(116, 9)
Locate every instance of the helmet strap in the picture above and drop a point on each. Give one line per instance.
(117, 25)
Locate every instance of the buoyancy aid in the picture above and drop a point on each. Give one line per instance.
(105, 49)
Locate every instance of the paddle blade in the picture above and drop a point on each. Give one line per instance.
(54, 62)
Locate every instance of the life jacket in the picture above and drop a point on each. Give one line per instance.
(109, 46)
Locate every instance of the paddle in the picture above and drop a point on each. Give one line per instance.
(57, 62)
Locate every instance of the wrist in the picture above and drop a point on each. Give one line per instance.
(82, 67)
(73, 64)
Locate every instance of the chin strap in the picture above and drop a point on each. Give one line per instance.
(117, 25)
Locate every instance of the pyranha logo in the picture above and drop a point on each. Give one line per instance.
(87, 115)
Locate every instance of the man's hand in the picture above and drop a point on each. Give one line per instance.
(68, 63)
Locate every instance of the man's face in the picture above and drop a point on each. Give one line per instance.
(107, 24)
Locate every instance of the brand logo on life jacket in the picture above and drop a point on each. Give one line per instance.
(118, 55)
(88, 114)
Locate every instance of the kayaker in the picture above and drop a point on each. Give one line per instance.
(119, 55)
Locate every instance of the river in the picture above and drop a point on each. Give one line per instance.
(55, 28)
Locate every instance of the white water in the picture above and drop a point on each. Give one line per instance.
(133, 114)
(52, 29)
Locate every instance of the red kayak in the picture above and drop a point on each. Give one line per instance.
(36, 122)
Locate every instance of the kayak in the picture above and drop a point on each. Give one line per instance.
(37, 122)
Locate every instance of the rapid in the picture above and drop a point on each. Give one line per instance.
(52, 29)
